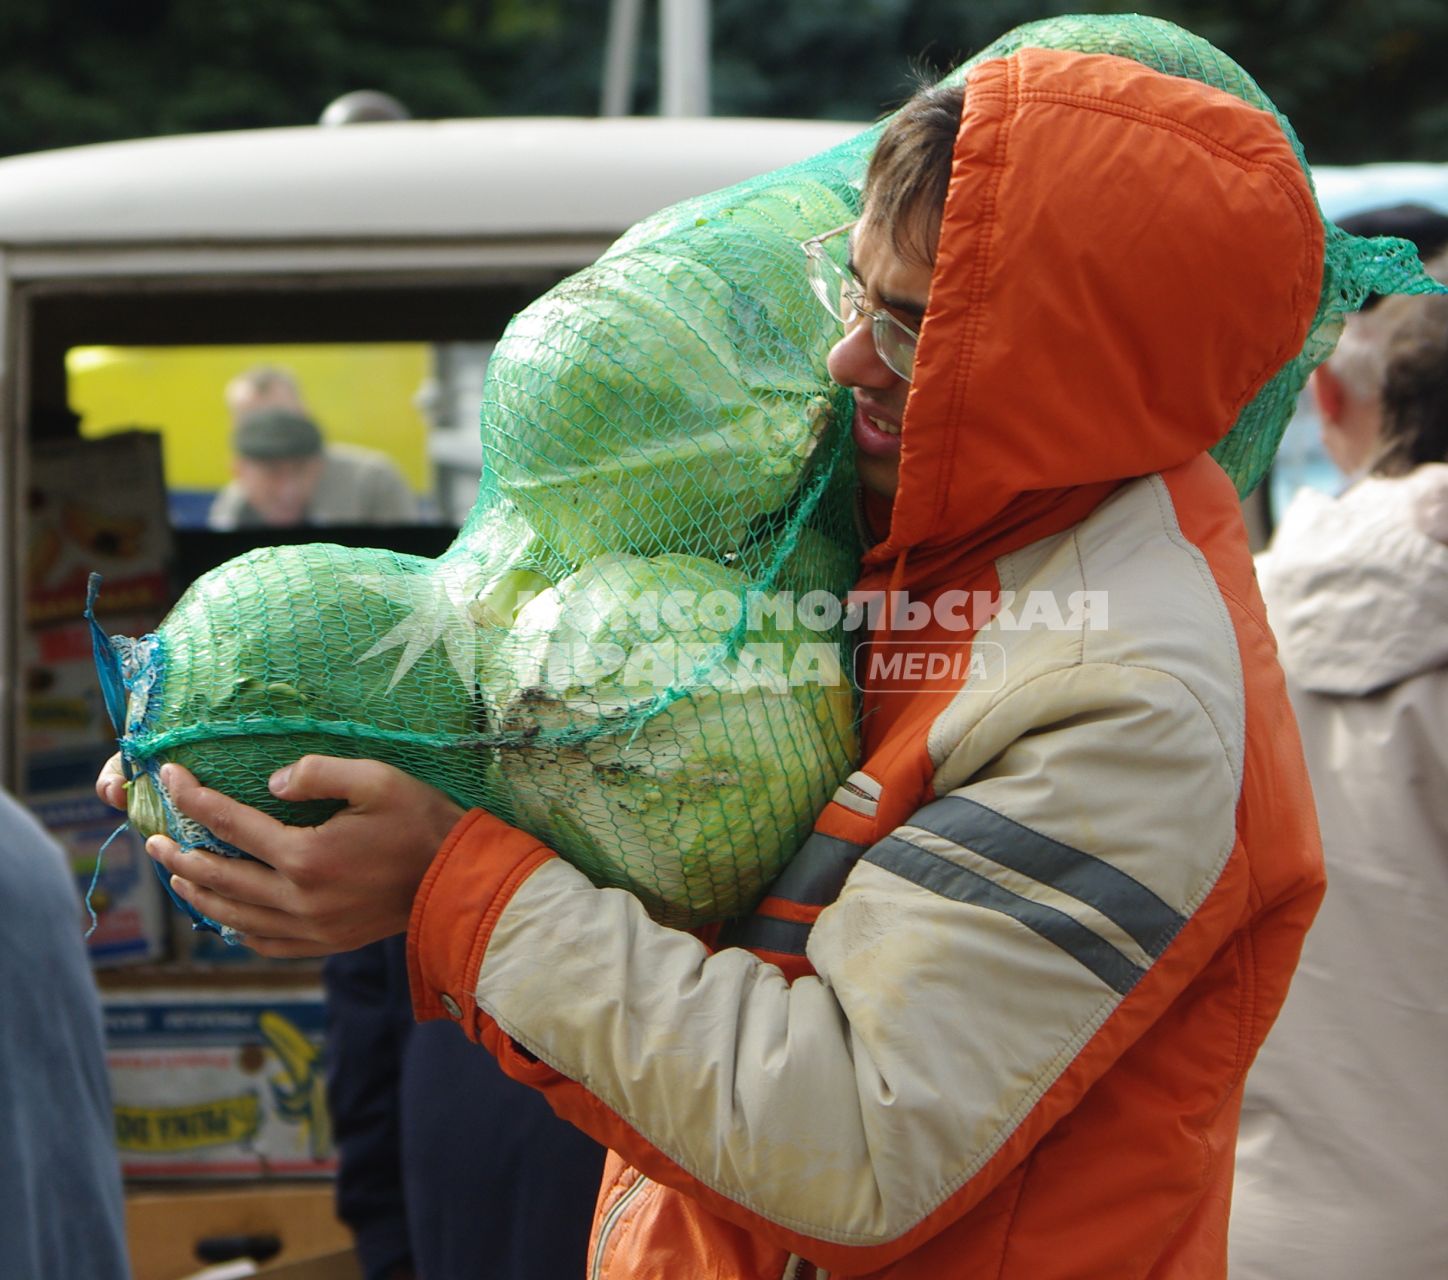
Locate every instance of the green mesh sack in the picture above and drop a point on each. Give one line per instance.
(610, 654)
(666, 472)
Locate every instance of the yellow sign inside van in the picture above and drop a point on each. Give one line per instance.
(359, 393)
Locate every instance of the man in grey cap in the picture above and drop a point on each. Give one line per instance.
(285, 474)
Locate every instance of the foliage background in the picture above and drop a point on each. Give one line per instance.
(1361, 81)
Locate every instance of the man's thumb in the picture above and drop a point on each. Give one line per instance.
(315, 778)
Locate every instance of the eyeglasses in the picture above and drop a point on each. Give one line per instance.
(843, 297)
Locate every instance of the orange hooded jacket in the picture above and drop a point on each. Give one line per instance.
(994, 1018)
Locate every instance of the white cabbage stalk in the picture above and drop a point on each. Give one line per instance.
(697, 808)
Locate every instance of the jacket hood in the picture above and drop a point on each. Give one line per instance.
(1357, 586)
(1125, 258)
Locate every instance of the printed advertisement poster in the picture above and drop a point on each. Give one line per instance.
(224, 1085)
(93, 506)
(97, 506)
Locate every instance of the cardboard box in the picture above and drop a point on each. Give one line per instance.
(219, 1083)
(164, 1227)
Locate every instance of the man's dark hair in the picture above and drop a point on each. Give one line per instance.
(910, 170)
(1415, 388)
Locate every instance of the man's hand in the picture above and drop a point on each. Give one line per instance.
(315, 890)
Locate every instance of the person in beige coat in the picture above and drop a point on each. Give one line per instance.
(1342, 1159)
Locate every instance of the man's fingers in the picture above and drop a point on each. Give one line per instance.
(227, 819)
(247, 897)
(251, 922)
(287, 948)
(235, 879)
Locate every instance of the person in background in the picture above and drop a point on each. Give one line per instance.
(284, 474)
(61, 1209)
(1343, 1155)
(447, 1168)
(1347, 387)
(263, 386)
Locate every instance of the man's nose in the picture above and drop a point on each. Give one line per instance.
(854, 362)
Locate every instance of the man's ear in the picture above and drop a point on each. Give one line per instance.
(1329, 393)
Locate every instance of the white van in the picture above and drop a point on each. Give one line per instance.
(381, 260)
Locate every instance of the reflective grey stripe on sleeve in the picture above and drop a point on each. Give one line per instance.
(1121, 899)
(765, 933)
(817, 873)
(950, 880)
(814, 877)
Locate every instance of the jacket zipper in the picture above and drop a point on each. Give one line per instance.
(796, 1268)
(609, 1222)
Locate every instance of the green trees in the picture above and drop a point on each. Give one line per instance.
(1360, 81)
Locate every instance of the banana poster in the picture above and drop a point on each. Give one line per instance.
(219, 1084)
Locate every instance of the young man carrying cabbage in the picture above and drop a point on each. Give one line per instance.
(994, 1018)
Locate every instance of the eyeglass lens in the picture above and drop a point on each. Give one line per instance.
(843, 298)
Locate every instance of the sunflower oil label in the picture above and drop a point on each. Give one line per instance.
(219, 1084)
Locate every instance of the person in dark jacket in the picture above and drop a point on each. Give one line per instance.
(448, 1169)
